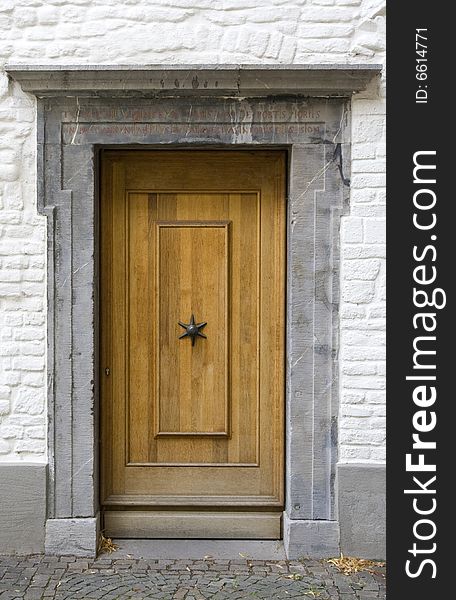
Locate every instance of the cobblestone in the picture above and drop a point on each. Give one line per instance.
(108, 578)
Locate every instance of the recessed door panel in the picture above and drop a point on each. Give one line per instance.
(192, 278)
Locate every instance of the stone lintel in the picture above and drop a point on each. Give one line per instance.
(339, 80)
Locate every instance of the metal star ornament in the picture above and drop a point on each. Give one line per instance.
(192, 329)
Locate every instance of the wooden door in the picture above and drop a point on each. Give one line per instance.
(192, 429)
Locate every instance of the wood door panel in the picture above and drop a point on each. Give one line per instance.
(199, 233)
(185, 274)
(192, 262)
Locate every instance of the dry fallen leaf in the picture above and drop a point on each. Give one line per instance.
(312, 593)
(350, 564)
(106, 545)
(294, 576)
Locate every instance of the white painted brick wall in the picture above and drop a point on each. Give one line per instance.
(189, 31)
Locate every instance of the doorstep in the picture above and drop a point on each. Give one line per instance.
(198, 549)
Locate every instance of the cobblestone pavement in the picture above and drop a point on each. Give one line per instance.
(109, 578)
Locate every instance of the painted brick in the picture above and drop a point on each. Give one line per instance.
(10, 216)
(380, 196)
(28, 364)
(359, 368)
(376, 165)
(368, 127)
(29, 401)
(377, 312)
(363, 338)
(12, 378)
(381, 369)
(11, 431)
(352, 313)
(37, 432)
(10, 275)
(352, 230)
(357, 435)
(371, 210)
(33, 379)
(5, 446)
(366, 269)
(368, 180)
(30, 447)
(29, 333)
(374, 231)
(187, 31)
(359, 251)
(15, 262)
(327, 46)
(363, 382)
(4, 407)
(357, 411)
(362, 422)
(358, 292)
(353, 397)
(361, 353)
(378, 454)
(5, 392)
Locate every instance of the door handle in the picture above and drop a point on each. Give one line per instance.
(192, 329)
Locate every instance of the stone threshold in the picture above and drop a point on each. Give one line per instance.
(161, 549)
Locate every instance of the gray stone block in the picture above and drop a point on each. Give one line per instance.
(75, 537)
(310, 539)
(362, 507)
(240, 80)
(22, 507)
